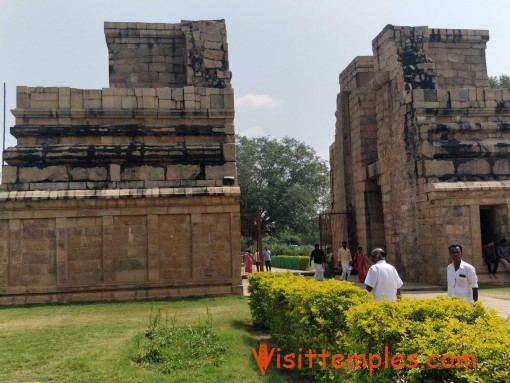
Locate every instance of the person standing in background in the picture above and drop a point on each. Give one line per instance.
(361, 264)
(256, 259)
(491, 258)
(329, 266)
(503, 252)
(345, 258)
(248, 262)
(267, 259)
(318, 258)
(461, 276)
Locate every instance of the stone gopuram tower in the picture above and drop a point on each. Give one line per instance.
(421, 157)
(129, 192)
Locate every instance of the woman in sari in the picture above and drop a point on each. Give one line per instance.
(248, 262)
(361, 264)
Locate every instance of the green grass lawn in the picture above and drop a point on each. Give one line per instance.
(95, 343)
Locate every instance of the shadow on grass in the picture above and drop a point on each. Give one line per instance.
(195, 298)
(493, 286)
(258, 335)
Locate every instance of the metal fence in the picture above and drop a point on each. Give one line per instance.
(251, 235)
(334, 229)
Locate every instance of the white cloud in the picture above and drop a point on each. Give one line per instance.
(257, 101)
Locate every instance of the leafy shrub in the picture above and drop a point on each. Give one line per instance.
(424, 327)
(170, 348)
(260, 289)
(283, 249)
(301, 312)
(337, 316)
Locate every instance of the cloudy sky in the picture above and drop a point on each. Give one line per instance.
(285, 55)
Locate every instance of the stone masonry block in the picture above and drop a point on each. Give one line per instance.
(438, 167)
(149, 92)
(178, 94)
(49, 173)
(22, 97)
(120, 91)
(189, 94)
(182, 172)
(205, 102)
(229, 101)
(89, 174)
(112, 102)
(427, 149)
(128, 102)
(213, 172)
(217, 101)
(474, 167)
(9, 174)
(229, 152)
(167, 104)
(164, 93)
(114, 172)
(501, 167)
(190, 104)
(136, 173)
(64, 98)
(150, 102)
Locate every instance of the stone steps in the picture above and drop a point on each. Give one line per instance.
(502, 278)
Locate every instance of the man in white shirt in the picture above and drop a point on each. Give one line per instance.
(256, 259)
(382, 278)
(461, 276)
(345, 259)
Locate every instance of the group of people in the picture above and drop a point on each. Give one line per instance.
(343, 261)
(382, 279)
(493, 255)
(250, 259)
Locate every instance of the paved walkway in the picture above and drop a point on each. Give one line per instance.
(417, 291)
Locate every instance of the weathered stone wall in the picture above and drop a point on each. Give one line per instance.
(120, 138)
(458, 57)
(144, 55)
(128, 192)
(437, 128)
(356, 142)
(463, 133)
(86, 245)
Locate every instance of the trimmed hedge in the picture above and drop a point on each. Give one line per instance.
(337, 316)
(292, 262)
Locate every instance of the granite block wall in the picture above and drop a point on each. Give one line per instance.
(414, 119)
(127, 192)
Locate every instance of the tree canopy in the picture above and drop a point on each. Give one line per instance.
(501, 81)
(285, 180)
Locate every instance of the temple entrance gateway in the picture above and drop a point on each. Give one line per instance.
(422, 151)
(487, 224)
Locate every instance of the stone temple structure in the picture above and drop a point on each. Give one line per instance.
(421, 157)
(127, 192)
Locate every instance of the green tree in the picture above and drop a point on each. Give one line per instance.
(501, 81)
(285, 180)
